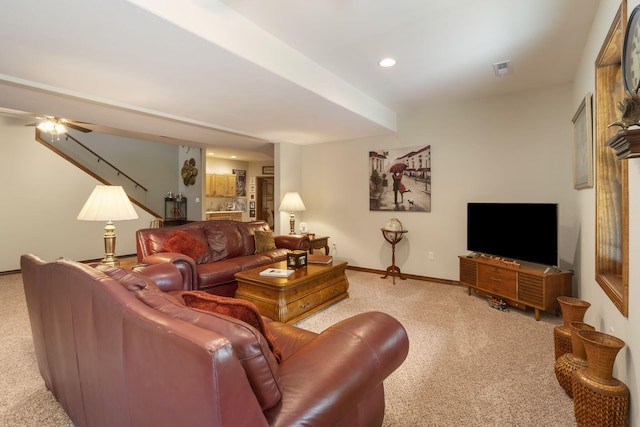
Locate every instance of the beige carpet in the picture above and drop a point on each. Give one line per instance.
(468, 364)
(24, 400)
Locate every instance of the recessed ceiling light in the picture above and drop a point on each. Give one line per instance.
(234, 157)
(387, 62)
(211, 153)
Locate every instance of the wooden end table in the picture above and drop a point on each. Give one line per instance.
(319, 243)
(290, 299)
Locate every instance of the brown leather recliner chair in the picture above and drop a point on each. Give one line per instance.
(114, 349)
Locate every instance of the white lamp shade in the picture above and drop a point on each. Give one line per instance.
(291, 202)
(107, 203)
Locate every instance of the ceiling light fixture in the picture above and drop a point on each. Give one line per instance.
(53, 126)
(387, 62)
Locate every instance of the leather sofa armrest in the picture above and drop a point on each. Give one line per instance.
(185, 264)
(293, 242)
(355, 356)
(167, 276)
(288, 337)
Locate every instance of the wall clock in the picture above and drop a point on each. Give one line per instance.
(631, 53)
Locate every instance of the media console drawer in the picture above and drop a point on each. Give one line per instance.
(497, 280)
(521, 285)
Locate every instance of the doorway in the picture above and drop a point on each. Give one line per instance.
(264, 200)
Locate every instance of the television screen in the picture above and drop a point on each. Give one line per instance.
(519, 231)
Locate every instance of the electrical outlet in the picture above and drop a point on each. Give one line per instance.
(333, 246)
(431, 255)
(197, 199)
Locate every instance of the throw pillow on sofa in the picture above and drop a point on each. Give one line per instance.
(236, 308)
(185, 243)
(264, 241)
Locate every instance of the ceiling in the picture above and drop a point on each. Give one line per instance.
(239, 75)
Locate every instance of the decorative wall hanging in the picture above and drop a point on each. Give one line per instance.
(583, 145)
(189, 172)
(400, 179)
(241, 181)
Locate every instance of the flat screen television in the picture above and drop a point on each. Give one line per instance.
(518, 231)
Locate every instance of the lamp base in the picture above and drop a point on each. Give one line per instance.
(292, 224)
(111, 261)
(110, 246)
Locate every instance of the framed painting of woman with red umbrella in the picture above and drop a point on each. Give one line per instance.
(400, 179)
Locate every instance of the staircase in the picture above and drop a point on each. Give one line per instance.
(85, 158)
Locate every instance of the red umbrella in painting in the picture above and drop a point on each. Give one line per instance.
(398, 168)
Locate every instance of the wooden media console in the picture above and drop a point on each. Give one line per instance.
(520, 285)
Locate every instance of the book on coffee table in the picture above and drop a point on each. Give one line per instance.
(276, 272)
(319, 259)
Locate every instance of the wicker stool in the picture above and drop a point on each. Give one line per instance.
(573, 310)
(598, 398)
(570, 362)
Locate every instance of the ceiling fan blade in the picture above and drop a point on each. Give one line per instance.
(75, 126)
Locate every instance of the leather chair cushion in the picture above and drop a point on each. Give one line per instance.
(218, 272)
(248, 229)
(224, 241)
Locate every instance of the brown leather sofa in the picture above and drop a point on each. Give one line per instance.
(114, 349)
(229, 247)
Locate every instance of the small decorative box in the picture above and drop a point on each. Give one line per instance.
(296, 259)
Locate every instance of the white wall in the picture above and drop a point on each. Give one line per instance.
(602, 314)
(290, 175)
(513, 148)
(154, 165)
(43, 195)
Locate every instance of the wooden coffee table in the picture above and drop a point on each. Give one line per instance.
(308, 290)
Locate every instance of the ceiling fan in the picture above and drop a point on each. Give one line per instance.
(58, 125)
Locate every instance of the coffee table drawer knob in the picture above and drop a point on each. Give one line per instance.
(305, 304)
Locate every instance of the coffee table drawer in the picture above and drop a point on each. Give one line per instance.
(310, 301)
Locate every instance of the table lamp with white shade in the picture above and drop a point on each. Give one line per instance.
(291, 202)
(108, 203)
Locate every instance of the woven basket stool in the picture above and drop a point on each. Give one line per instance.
(570, 362)
(573, 310)
(598, 398)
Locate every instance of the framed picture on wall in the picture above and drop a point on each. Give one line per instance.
(240, 203)
(267, 170)
(241, 181)
(583, 145)
(400, 179)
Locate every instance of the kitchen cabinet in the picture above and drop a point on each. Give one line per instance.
(221, 185)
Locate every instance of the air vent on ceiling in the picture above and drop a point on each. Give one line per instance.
(502, 68)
